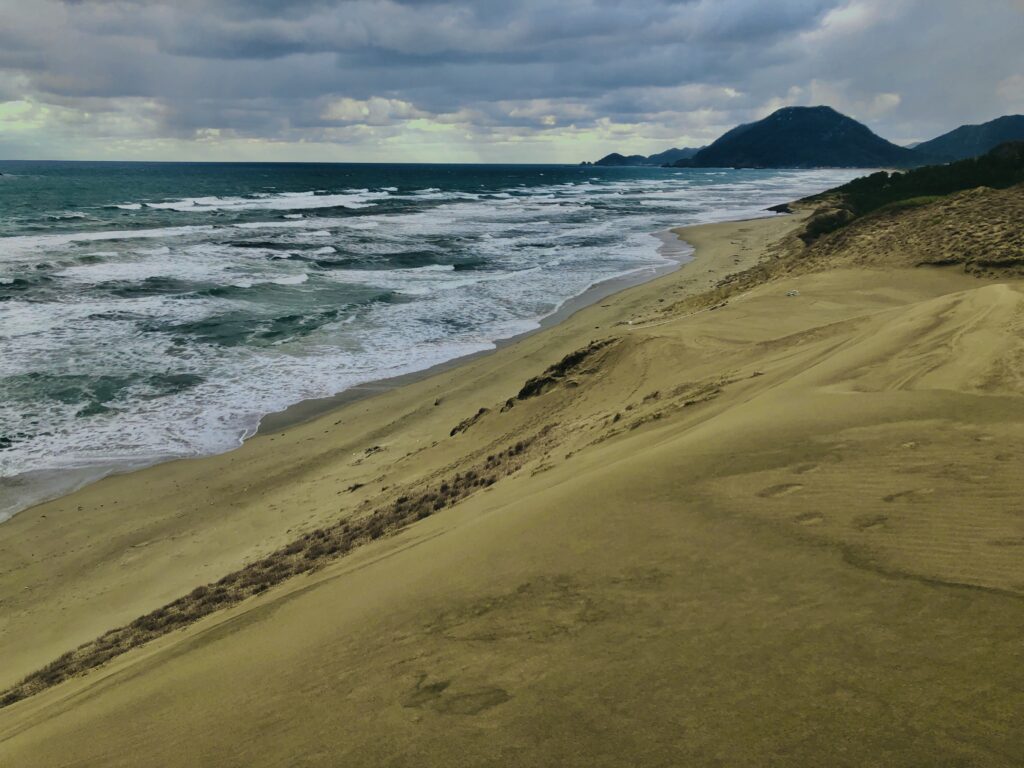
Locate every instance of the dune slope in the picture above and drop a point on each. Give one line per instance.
(777, 524)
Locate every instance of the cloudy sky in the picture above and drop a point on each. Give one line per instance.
(483, 80)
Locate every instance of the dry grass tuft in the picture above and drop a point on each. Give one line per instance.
(308, 553)
(570, 364)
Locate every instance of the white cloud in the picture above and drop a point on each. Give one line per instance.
(372, 111)
(483, 79)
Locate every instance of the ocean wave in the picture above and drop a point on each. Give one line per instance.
(24, 243)
(285, 201)
(284, 280)
(67, 216)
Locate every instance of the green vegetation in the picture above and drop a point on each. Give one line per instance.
(911, 202)
(885, 192)
(1002, 167)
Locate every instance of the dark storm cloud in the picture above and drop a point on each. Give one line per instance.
(332, 70)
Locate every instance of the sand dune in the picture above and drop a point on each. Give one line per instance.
(773, 523)
(978, 230)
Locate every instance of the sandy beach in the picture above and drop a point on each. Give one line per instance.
(764, 520)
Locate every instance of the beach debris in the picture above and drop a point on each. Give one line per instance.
(793, 293)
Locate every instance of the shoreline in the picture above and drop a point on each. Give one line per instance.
(45, 485)
(232, 505)
(307, 410)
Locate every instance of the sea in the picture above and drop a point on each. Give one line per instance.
(151, 311)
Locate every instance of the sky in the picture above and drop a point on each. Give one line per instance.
(483, 80)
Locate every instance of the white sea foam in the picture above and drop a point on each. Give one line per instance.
(285, 280)
(285, 201)
(13, 246)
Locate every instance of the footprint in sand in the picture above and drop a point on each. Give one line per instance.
(774, 491)
(438, 696)
(425, 692)
(472, 702)
(803, 469)
(915, 494)
(1008, 542)
(869, 522)
(809, 518)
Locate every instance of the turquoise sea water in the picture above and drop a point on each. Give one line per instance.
(159, 310)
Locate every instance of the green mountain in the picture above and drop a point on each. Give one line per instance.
(803, 137)
(615, 159)
(999, 168)
(973, 140)
(667, 157)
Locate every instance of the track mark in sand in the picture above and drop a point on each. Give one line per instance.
(870, 522)
(547, 609)
(1007, 542)
(809, 518)
(915, 494)
(425, 692)
(803, 469)
(775, 491)
(538, 611)
(472, 702)
(438, 696)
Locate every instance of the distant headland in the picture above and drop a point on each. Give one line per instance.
(821, 137)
